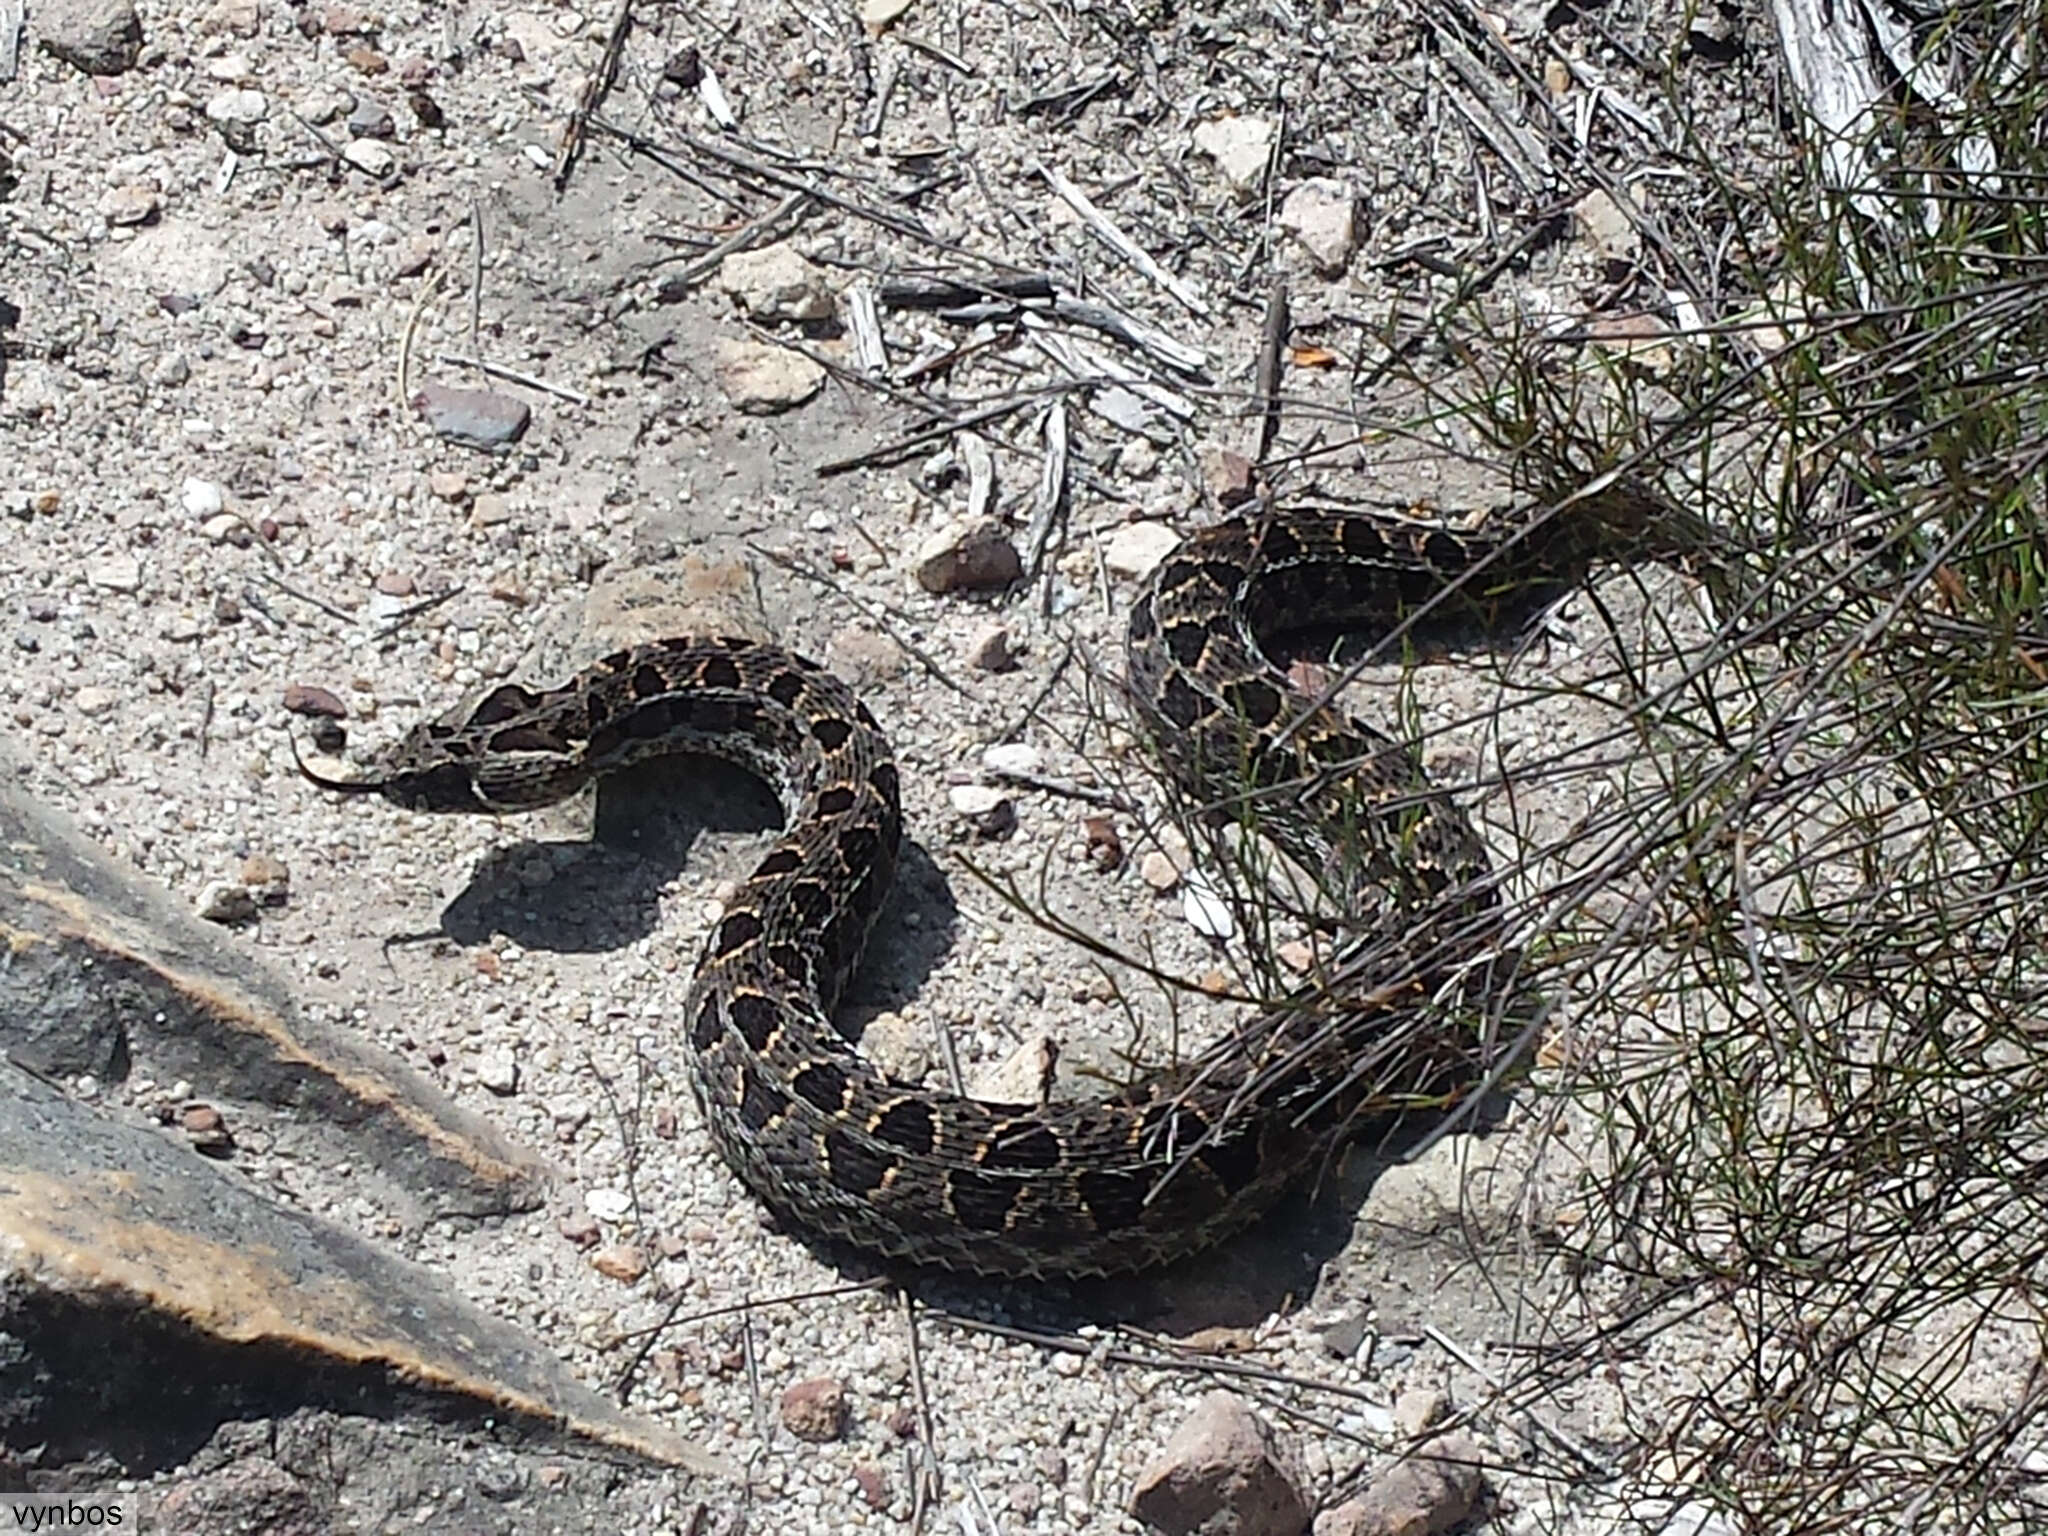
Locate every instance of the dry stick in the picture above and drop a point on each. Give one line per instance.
(10, 38)
(1052, 497)
(1550, 1431)
(1267, 386)
(933, 434)
(867, 610)
(925, 1488)
(676, 1318)
(594, 92)
(476, 277)
(1121, 243)
(640, 144)
(428, 289)
(405, 616)
(741, 239)
(531, 381)
(306, 597)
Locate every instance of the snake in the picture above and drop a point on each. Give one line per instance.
(1187, 1155)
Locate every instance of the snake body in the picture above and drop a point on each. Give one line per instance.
(1168, 1165)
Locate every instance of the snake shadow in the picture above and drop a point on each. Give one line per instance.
(600, 894)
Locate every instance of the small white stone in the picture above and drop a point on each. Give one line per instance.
(227, 901)
(93, 701)
(225, 528)
(241, 106)
(116, 573)
(976, 800)
(1206, 912)
(1012, 757)
(498, 1072)
(1158, 871)
(202, 498)
(1240, 146)
(1136, 549)
(1322, 215)
(607, 1204)
(761, 380)
(775, 283)
(373, 157)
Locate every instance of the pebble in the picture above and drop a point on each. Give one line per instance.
(373, 157)
(227, 901)
(369, 118)
(579, 1228)
(992, 650)
(873, 1486)
(309, 699)
(776, 284)
(1206, 912)
(1606, 226)
(202, 499)
(1225, 1469)
(1228, 474)
(607, 1204)
(988, 812)
(207, 1129)
(269, 880)
(1420, 1409)
(498, 1072)
(99, 37)
(1322, 215)
(43, 610)
(92, 702)
(238, 106)
(475, 418)
(964, 558)
(25, 640)
(1136, 550)
(116, 573)
(448, 485)
(1158, 871)
(1241, 148)
(619, 1261)
(816, 1410)
(1344, 1335)
(227, 528)
(134, 203)
(1016, 758)
(1103, 844)
(876, 15)
(761, 380)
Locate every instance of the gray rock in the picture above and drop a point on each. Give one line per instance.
(475, 418)
(369, 118)
(101, 37)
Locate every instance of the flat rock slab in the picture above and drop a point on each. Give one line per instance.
(102, 967)
(147, 1295)
(144, 1288)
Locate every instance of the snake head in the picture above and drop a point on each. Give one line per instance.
(414, 784)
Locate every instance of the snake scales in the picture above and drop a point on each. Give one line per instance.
(1055, 1188)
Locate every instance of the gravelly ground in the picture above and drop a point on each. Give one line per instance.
(250, 334)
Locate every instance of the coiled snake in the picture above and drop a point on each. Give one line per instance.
(1166, 1166)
